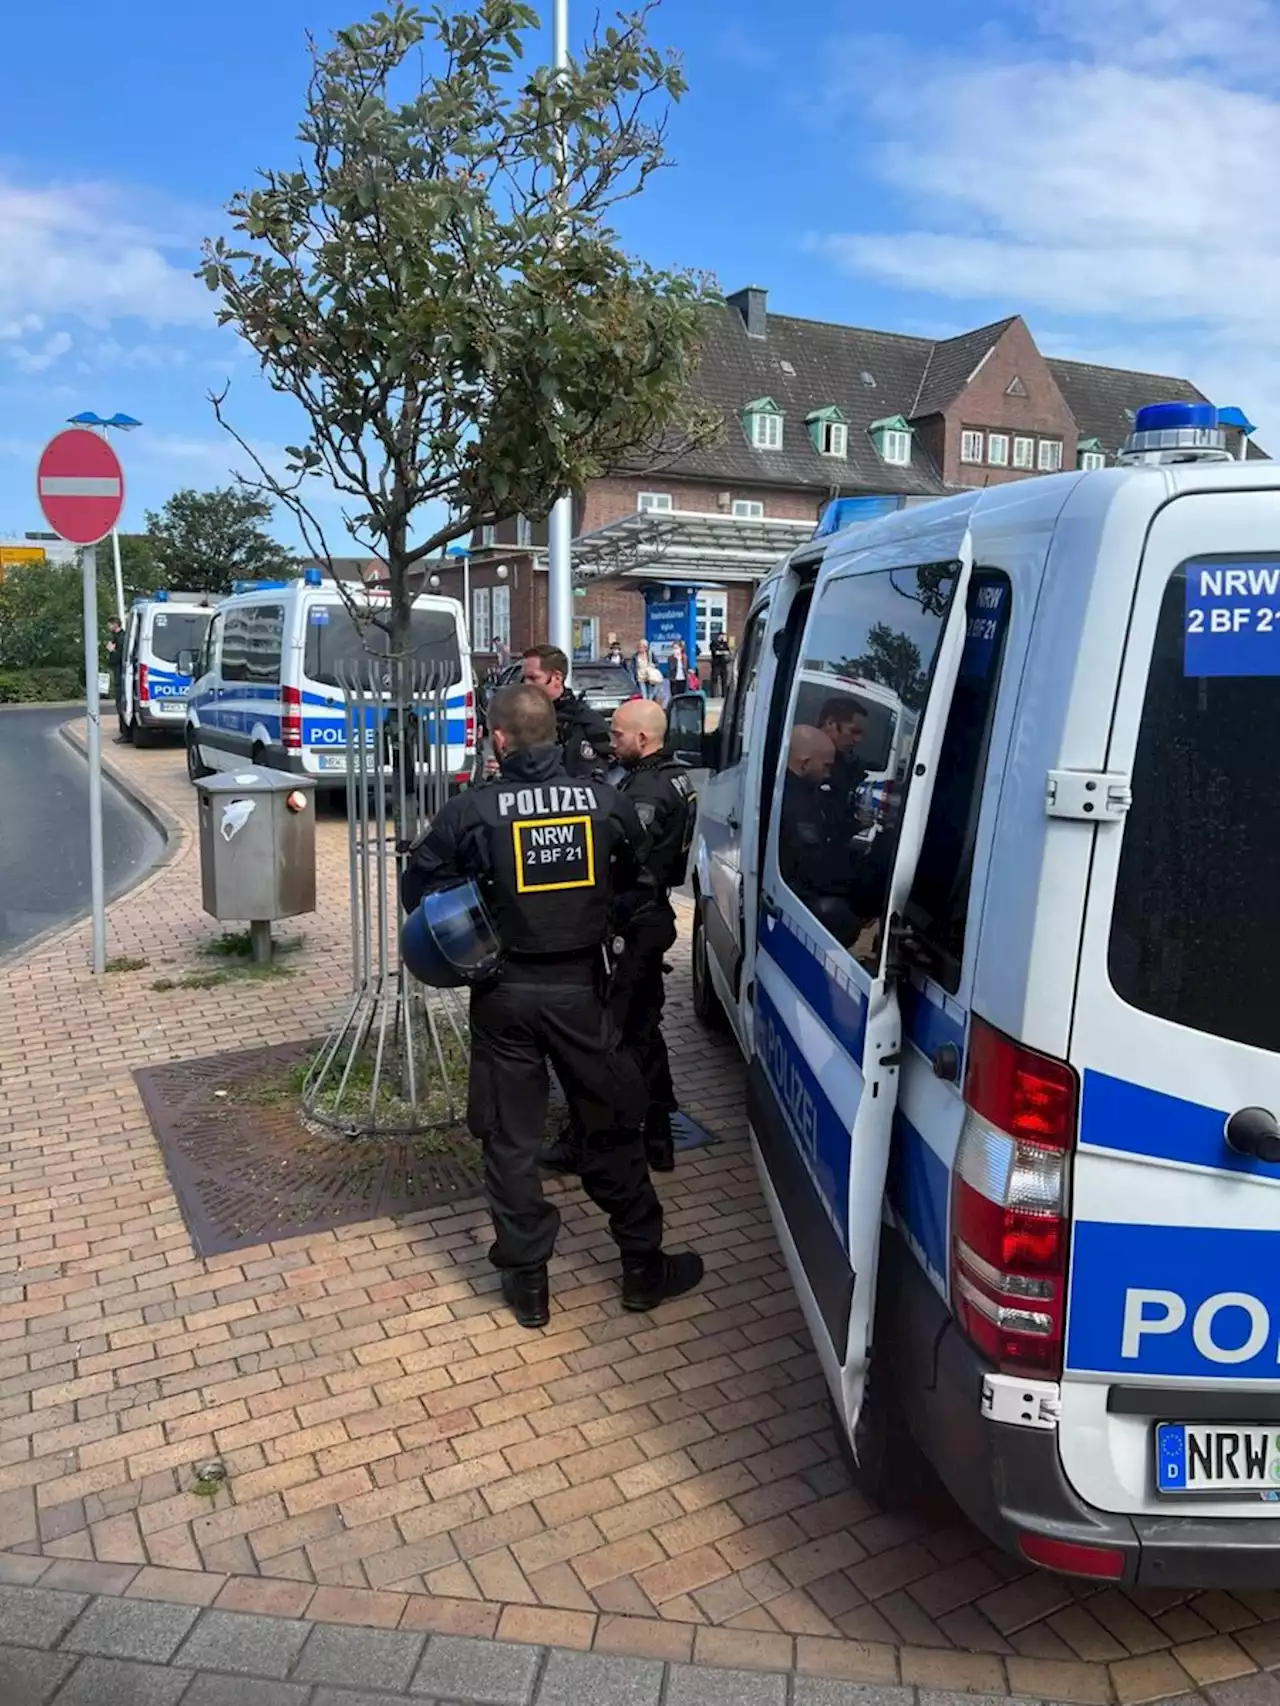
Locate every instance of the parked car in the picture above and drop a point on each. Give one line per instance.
(603, 685)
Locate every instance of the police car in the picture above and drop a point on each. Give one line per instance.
(269, 677)
(162, 636)
(1013, 1089)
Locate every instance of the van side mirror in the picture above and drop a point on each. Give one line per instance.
(687, 735)
(187, 661)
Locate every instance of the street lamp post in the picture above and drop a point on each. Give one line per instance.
(121, 423)
(560, 531)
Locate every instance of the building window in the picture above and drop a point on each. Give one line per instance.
(766, 432)
(1092, 460)
(586, 638)
(897, 448)
(480, 619)
(1049, 459)
(971, 447)
(711, 612)
(1024, 450)
(524, 530)
(649, 501)
(748, 509)
(998, 449)
(828, 432)
(488, 534)
(501, 635)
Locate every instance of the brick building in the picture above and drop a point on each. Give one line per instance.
(811, 411)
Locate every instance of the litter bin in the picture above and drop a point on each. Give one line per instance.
(257, 848)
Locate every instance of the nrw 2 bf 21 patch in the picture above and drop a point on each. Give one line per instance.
(554, 853)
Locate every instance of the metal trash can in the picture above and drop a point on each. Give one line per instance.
(257, 847)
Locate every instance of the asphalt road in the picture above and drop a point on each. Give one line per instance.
(44, 827)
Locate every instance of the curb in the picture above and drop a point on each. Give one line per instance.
(173, 833)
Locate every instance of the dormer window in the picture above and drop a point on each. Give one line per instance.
(892, 439)
(762, 423)
(1090, 455)
(828, 431)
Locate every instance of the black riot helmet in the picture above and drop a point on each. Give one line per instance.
(449, 939)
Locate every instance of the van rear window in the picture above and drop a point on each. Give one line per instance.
(335, 643)
(174, 631)
(1197, 911)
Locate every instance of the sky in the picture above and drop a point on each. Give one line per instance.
(1107, 172)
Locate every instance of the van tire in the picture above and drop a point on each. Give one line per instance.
(197, 769)
(706, 1003)
(139, 736)
(889, 1469)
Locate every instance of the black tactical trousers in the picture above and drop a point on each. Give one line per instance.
(517, 1028)
(636, 999)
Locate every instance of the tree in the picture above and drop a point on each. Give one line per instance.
(437, 283)
(42, 617)
(202, 541)
(139, 570)
(893, 660)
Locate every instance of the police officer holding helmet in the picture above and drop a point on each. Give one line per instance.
(649, 777)
(511, 890)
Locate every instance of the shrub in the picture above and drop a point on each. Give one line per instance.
(39, 686)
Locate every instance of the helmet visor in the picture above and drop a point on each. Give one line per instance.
(462, 929)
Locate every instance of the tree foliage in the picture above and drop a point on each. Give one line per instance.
(202, 541)
(892, 659)
(42, 616)
(438, 285)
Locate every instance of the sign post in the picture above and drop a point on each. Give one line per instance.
(80, 486)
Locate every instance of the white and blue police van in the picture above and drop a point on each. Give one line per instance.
(269, 678)
(162, 636)
(1013, 1088)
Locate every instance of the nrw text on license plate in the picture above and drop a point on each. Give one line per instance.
(1191, 1458)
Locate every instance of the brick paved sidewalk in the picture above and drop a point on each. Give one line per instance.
(667, 1488)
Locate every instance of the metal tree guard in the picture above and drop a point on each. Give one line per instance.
(395, 1063)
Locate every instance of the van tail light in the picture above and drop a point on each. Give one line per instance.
(470, 734)
(291, 719)
(1009, 1213)
(144, 690)
(1068, 1558)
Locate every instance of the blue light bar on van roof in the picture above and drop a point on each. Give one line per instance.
(259, 586)
(312, 577)
(838, 514)
(1175, 431)
(162, 597)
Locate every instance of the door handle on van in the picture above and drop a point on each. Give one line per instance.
(1255, 1132)
(945, 1061)
(770, 907)
(731, 821)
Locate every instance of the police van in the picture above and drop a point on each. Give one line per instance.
(161, 635)
(1014, 1081)
(269, 677)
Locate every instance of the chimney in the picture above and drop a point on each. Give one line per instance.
(750, 303)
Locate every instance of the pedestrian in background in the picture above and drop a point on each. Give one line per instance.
(678, 668)
(646, 672)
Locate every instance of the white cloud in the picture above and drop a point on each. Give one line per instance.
(1115, 169)
(85, 250)
(29, 360)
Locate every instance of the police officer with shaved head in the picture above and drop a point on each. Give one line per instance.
(551, 855)
(659, 788)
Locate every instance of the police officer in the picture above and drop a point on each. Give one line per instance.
(581, 731)
(551, 854)
(664, 799)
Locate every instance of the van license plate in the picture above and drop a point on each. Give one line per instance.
(1195, 1459)
(331, 760)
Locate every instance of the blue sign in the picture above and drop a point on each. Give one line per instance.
(1232, 618)
(667, 620)
(1196, 1301)
(988, 608)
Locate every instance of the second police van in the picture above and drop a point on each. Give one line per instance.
(162, 636)
(1014, 1073)
(269, 677)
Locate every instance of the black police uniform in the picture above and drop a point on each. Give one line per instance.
(550, 854)
(583, 735)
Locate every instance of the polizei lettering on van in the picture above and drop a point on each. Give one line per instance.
(546, 800)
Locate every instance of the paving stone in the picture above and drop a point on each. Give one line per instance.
(121, 1682)
(691, 1686)
(30, 1677)
(1259, 1690)
(456, 1668)
(823, 1691)
(345, 1697)
(35, 1617)
(359, 1658)
(251, 1646)
(131, 1629)
(571, 1679)
(243, 1691)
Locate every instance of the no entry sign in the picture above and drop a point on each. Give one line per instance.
(80, 486)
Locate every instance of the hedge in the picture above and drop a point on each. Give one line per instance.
(39, 686)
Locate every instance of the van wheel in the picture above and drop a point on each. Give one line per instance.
(889, 1468)
(138, 735)
(258, 757)
(197, 769)
(706, 1003)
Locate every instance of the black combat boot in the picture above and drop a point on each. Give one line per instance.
(659, 1145)
(527, 1292)
(648, 1281)
(563, 1154)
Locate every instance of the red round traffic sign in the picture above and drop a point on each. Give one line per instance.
(80, 485)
